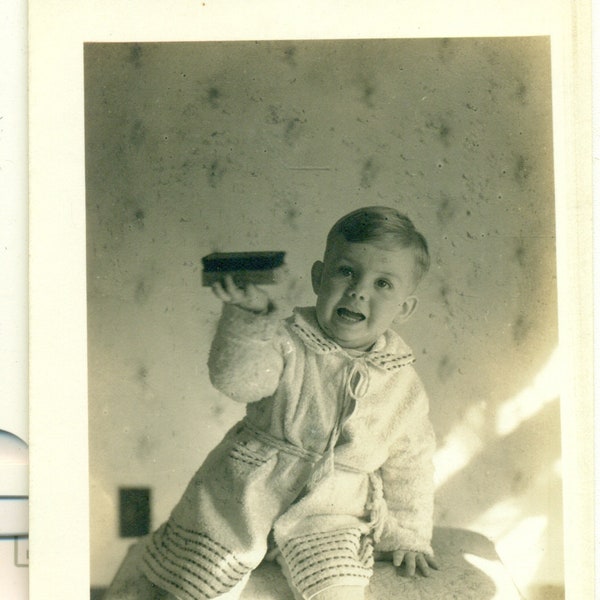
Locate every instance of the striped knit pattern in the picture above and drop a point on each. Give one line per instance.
(391, 362)
(189, 564)
(317, 561)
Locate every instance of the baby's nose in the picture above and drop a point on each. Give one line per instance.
(357, 291)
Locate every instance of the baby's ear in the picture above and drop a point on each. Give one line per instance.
(407, 308)
(316, 273)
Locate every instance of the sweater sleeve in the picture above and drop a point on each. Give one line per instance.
(407, 476)
(244, 361)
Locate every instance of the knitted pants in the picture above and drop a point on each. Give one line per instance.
(247, 488)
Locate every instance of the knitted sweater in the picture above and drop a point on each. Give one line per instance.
(364, 413)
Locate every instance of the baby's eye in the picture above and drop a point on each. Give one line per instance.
(345, 271)
(383, 284)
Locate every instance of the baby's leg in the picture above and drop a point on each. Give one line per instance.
(131, 584)
(336, 592)
(341, 592)
(139, 588)
(235, 592)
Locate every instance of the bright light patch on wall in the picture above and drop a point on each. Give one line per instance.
(526, 530)
(498, 520)
(520, 540)
(459, 447)
(544, 389)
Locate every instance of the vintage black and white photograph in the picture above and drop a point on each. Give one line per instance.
(322, 319)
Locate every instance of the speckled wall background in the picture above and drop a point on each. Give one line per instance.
(198, 147)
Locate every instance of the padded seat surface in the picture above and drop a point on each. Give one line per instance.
(470, 570)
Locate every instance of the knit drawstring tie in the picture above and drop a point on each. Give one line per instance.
(376, 506)
(355, 386)
(356, 381)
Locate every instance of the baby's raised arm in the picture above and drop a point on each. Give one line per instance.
(245, 362)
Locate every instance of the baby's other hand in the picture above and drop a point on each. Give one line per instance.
(412, 562)
(249, 297)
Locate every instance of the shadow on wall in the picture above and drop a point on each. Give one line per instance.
(485, 476)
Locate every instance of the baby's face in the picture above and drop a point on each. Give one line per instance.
(361, 289)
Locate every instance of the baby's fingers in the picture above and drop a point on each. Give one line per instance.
(249, 297)
(228, 291)
(410, 564)
(397, 558)
(236, 293)
(220, 292)
(423, 565)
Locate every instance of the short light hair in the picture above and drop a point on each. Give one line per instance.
(385, 227)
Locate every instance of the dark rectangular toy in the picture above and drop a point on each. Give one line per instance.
(245, 267)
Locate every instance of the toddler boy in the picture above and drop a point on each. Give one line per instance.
(333, 460)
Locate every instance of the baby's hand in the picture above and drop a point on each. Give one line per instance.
(249, 297)
(413, 561)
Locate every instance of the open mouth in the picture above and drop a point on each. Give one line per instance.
(349, 315)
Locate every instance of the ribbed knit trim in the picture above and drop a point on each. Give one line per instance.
(391, 362)
(190, 565)
(319, 560)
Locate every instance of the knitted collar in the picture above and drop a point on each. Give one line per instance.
(389, 352)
